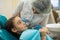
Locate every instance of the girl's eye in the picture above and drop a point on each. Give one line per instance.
(18, 22)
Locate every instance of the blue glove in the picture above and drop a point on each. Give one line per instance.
(38, 26)
(26, 21)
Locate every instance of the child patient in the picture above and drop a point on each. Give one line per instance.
(16, 26)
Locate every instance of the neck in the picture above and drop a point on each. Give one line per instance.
(19, 32)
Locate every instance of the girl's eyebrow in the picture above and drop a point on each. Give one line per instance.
(19, 20)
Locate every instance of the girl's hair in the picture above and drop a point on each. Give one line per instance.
(9, 25)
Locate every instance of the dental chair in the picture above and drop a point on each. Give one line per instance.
(4, 34)
(3, 20)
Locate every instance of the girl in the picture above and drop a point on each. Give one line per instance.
(16, 26)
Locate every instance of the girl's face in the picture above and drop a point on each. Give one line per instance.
(19, 24)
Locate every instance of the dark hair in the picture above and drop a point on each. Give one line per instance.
(9, 25)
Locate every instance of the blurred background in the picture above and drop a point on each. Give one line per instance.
(7, 7)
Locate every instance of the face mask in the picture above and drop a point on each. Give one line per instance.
(37, 18)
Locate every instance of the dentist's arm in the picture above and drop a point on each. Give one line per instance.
(45, 20)
(44, 38)
(44, 30)
(18, 9)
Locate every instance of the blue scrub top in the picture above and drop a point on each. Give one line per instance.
(33, 34)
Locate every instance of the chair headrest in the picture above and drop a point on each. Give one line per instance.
(1, 38)
(3, 20)
(4, 35)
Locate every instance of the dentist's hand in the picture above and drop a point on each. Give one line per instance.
(43, 31)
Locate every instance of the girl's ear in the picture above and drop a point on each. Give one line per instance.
(14, 30)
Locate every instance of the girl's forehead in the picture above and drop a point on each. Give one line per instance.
(17, 19)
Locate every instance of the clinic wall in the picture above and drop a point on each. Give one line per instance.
(7, 7)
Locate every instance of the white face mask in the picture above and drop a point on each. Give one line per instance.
(38, 18)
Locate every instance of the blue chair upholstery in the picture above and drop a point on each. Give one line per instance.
(30, 35)
(1, 38)
(3, 20)
(4, 35)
